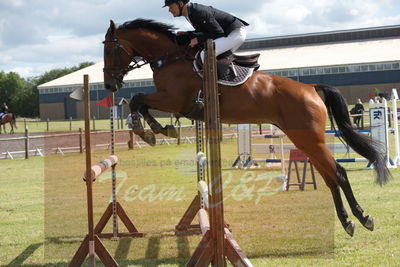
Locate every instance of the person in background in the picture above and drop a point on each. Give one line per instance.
(3, 110)
(358, 109)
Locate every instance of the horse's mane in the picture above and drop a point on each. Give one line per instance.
(149, 24)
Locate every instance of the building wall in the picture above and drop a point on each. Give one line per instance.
(73, 108)
(353, 92)
(353, 85)
(52, 111)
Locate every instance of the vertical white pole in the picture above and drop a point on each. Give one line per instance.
(395, 97)
(386, 125)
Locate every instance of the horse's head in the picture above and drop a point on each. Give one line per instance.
(133, 42)
(117, 57)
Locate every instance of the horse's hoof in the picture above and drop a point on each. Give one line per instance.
(170, 131)
(350, 228)
(369, 223)
(148, 137)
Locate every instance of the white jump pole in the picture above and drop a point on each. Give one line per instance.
(395, 97)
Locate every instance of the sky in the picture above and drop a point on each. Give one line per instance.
(40, 35)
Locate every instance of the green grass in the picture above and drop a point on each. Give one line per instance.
(43, 212)
(36, 126)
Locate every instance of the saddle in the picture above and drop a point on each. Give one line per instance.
(232, 69)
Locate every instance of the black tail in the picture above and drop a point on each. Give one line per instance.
(363, 145)
(14, 120)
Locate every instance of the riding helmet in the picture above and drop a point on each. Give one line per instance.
(168, 2)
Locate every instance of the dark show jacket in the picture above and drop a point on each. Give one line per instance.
(211, 23)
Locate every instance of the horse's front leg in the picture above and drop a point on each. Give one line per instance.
(138, 105)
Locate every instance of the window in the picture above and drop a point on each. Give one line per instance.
(335, 70)
(372, 67)
(364, 68)
(357, 68)
(395, 66)
(342, 69)
(306, 71)
(313, 71)
(387, 66)
(277, 73)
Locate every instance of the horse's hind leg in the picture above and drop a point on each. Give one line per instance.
(334, 176)
(12, 128)
(366, 221)
(341, 212)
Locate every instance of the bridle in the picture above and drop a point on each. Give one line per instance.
(118, 72)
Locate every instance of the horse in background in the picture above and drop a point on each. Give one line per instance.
(8, 118)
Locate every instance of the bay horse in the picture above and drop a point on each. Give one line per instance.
(296, 108)
(8, 118)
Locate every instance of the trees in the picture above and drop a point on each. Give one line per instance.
(22, 96)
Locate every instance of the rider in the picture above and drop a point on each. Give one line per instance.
(3, 110)
(227, 31)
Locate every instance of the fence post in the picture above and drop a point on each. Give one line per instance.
(362, 121)
(26, 143)
(47, 124)
(24, 123)
(94, 123)
(122, 122)
(179, 132)
(80, 141)
(70, 123)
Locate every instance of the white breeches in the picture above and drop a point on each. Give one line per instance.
(231, 42)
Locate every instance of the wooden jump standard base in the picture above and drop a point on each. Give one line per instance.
(217, 243)
(92, 245)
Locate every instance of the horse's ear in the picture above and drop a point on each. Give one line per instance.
(112, 26)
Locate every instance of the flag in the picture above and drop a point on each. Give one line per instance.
(105, 102)
(77, 94)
